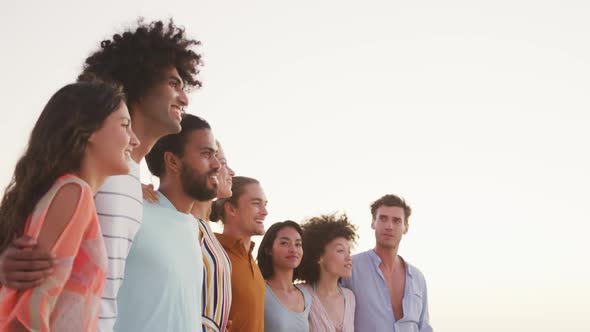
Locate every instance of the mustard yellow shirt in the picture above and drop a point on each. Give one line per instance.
(248, 287)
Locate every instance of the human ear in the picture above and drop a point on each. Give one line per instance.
(172, 162)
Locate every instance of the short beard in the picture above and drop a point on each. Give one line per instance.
(195, 185)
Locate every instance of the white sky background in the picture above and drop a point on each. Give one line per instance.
(475, 112)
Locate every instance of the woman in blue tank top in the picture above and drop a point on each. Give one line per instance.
(286, 305)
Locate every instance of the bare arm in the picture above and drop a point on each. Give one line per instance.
(59, 214)
(60, 232)
(24, 265)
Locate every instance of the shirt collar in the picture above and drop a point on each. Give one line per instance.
(165, 202)
(234, 244)
(377, 260)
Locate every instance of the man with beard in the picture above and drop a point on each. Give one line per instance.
(162, 286)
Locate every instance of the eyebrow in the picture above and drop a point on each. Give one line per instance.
(207, 148)
(386, 216)
(258, 200)
(288, 239)
(178, 80)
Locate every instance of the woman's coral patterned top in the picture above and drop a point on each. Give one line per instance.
(69, 299)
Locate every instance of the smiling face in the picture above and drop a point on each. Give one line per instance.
(287, 249)
(111, 145)
(250, 211)
(200, 167)
(225, 174)
(162, 106)
(389, 225)
(336, 259)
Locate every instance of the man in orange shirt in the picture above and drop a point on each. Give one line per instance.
(243, 216)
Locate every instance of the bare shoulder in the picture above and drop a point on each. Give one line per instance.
(60, 212)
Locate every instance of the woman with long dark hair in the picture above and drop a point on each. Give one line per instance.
(82, 136)
(327, 240)
(286, 306)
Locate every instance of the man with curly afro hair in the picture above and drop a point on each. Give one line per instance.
(155, 65)
(390, 292)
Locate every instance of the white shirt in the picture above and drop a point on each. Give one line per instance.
(119, 207)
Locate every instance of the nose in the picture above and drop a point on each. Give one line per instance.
(182, 98)
(215, 164)
(264, 211)
(230, 171)
(133, 140)
(389, 225)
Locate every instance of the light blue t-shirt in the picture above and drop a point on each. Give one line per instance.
(162, 287)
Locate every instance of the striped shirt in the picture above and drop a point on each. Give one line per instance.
(216, 296)
(119, 207)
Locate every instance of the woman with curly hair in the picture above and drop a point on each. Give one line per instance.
(286, 306)
(82, 136)
(326, 244)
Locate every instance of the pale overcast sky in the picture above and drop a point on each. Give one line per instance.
(473, 111)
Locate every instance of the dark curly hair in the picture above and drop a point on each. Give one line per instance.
(137, 59)
(391, 200)
(56, 147)
(264, 258)
(317, 233)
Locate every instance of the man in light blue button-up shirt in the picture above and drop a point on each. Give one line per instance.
(390, 293)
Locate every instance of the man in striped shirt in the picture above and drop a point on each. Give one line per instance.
(154, 64)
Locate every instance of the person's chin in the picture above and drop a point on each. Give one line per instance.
(177, 129)
(121, 169)
(174, 127)
(223, 194)
(387, 242)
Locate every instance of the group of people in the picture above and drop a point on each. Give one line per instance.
(84, 246)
